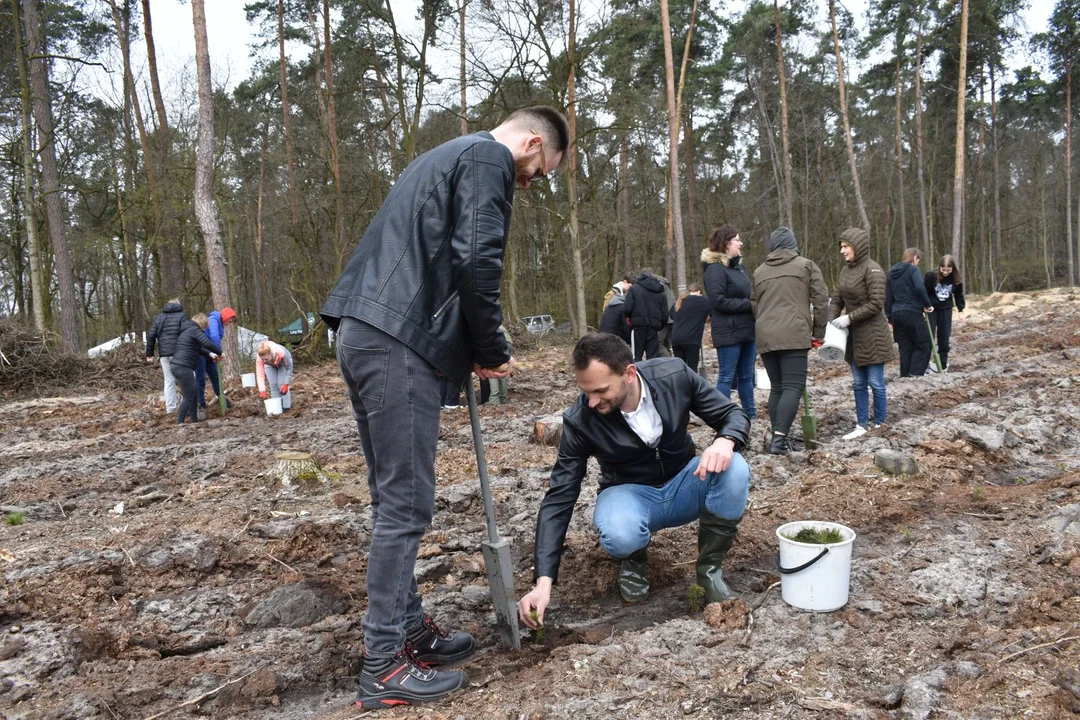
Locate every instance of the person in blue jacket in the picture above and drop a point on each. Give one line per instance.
(215, 330)
(905, 301)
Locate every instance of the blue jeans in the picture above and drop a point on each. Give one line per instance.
(628, 515)
(395, 400)
(874, 376)
(206, 368)
(737, 361)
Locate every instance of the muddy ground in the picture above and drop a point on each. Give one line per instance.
(214, 592)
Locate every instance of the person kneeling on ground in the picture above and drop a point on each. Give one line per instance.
(632, 417)
(273, 372)
(191, 344)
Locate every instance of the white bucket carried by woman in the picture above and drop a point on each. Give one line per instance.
(248, 379)
(835, 344)
(273, 406)
(812, 576)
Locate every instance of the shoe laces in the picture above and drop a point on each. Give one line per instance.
(430, 624)
(408, 654)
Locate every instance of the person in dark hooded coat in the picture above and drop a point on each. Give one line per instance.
(790, 301)
(647, 307)
(613, 321)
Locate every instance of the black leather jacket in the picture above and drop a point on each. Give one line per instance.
(429, 266)
(165, 329)
(624, 458)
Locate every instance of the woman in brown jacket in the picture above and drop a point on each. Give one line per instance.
(858, 305)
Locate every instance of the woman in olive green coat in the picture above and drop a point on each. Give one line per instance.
(859, 306)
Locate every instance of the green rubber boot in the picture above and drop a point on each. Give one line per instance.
(715, 537)
(634, 576)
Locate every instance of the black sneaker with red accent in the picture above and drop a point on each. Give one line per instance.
(432, 645)
(404, 680)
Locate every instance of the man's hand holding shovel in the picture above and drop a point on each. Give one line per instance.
(495, 373)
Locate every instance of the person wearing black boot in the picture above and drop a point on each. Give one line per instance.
(906, 300)
(944, 286)
(790, 301)
(419, 300)
(632, 417)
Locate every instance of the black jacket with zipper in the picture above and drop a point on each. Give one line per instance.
(429, 266)
(624, 459)
(190, 344)
(165, 329)
(646, 303)
(728, 287)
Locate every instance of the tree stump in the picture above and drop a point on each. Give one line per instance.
(548, 430)
(298, 469)
(896, 463)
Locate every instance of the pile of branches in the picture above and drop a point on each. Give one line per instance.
(35, 363)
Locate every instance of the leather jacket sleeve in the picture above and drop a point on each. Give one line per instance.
(564, 487)
(483, 195)
(720, 413)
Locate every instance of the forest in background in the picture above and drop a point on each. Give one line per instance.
(257, 196)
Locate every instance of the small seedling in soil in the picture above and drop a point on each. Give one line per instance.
(695, 596)
(908, 535)
(977, 495)
(817, 536)
(540, 631)
(15, 518)
(1021, 481)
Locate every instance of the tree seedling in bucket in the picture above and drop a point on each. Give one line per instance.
(817, 536)
(695, 596)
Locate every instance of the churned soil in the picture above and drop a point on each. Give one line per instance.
(153, 570)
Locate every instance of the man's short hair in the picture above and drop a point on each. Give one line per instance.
(608, 349)
(630, 277)
(548, 123)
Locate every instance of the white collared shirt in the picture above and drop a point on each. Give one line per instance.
(645, 420)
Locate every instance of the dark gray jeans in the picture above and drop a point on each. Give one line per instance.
(395, 400)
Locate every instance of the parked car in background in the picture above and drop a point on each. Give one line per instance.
(538, 324)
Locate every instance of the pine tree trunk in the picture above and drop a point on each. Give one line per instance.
(788, 192)
(691, 172)
(1068, 175)
(844, 116)
(462, 46)
(676, 245)
(335, 160)
(205, 211)
(170, 241)
(571, 178)
(997, 181)
(900, 153)
(38, 287)
(50, 176)
(286, 116)
(623, 199)
(958, 172)
(919, 145)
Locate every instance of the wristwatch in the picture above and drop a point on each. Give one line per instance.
(734, 441)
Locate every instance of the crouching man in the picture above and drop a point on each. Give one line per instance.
(632, 418)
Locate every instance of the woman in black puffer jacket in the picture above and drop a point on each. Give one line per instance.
(190, 343)
(728, 288)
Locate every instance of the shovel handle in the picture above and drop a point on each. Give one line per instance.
(481, 463)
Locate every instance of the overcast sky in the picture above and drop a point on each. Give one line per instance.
(230, 38)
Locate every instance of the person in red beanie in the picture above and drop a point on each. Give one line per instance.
(215, 330)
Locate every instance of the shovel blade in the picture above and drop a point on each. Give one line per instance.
(809, 431)
(500, 572)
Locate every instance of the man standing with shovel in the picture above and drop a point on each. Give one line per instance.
(419, 299)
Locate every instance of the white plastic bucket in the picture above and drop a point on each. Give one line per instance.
(248, 379)
(273, 406)
(835, 344)
(814, 577)
(761, 379)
